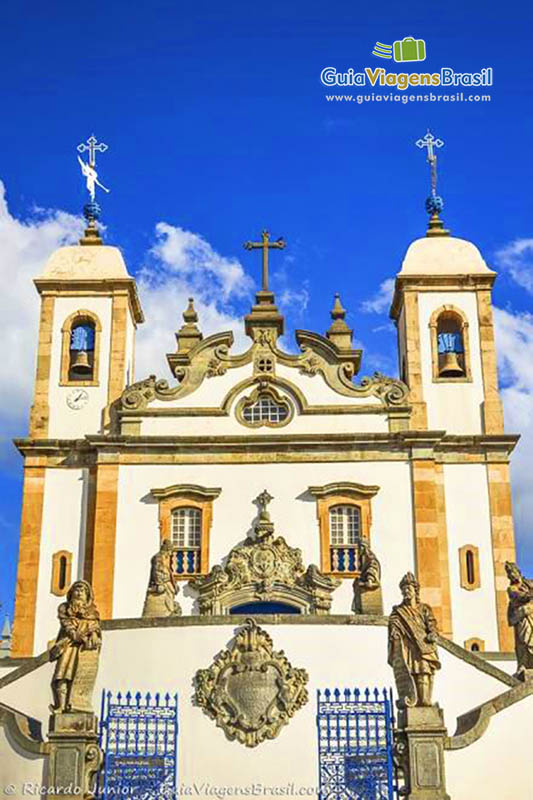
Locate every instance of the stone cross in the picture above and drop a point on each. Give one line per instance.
(265, 245)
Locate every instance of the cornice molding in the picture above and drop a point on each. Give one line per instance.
(186, 490)
(73, 287)
(347, 488)
(435, 283)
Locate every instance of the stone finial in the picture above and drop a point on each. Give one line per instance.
(339, 333)
(189, 334)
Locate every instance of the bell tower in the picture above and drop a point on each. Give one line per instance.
(85, 357)
(90, 310)
(89, 313)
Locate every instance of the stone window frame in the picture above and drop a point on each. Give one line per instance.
(56, 587)
(79, 317)
(475, 641)
(343, 493)
(466, 583)
(264, 388)
(433, 329)
(177, 496)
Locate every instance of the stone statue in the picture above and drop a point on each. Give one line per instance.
(412, 646)
(162, 587)
(367, 587)
(76, 651)
(520, 617)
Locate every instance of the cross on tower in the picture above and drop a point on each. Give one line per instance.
(430, 142)
(265, 245)
(92, 146)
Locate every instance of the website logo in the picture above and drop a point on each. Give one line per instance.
(406, 49)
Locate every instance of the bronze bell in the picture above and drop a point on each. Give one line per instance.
(80, 365)
(450, 367)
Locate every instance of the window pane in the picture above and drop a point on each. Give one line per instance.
(345, 524)
(187, 527)
(265, 409)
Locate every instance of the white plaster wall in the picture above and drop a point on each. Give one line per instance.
(468, 522)
(63, 528)
(166, 659)
(228, 426)
(293, 510)
(19, 769)
(65, 422)
(497, 766)
(454, 407)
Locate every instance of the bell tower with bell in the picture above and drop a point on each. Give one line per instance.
(89, 313)
(442, 308)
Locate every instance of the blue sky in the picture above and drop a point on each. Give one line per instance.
(217, 125)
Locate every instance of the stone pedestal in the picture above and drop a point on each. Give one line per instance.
(367, 602)
(75, 756)
(421, 734)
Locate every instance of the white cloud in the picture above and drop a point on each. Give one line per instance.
(381, 301)
(517, 259)
(514, 341)
(180, 265)
(24, 247)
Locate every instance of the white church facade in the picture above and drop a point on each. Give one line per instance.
(273, 480)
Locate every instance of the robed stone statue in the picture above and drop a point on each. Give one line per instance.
(162, 586)
(76, 651)
(367, 587)
(412, 646)
(520, 617)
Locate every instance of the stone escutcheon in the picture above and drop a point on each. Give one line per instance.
(250, 690)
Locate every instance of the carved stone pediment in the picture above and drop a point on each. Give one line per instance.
(250, 690)
(264, 567)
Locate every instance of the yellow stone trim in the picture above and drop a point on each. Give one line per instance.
(55, 587)
(341, 494)
(104, 540)
(433, 326)
(503, 544)
(413, 362)
(40, 412)
(187, 496)
(474, 644)
(431, 545)
(80, 316)
(117, 353)
(492, 404)
(463, 567)
(28, 561)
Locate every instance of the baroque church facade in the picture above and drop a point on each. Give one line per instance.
(284, 489)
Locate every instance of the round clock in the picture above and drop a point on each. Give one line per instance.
(77, 398)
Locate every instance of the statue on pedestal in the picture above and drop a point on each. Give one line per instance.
(162, 586)
(412, 646)
(367, 587)
(76, 651)
(520, 617)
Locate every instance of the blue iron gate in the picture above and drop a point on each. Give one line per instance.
(138, 735)
(355, 744)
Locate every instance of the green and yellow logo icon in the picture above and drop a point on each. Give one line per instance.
(407, 49)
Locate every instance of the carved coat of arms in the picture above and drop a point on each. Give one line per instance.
(250, 690)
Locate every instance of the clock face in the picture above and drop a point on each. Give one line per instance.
(77, 398)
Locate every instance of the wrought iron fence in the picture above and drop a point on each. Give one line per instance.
(138, 735)
(355, 744)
